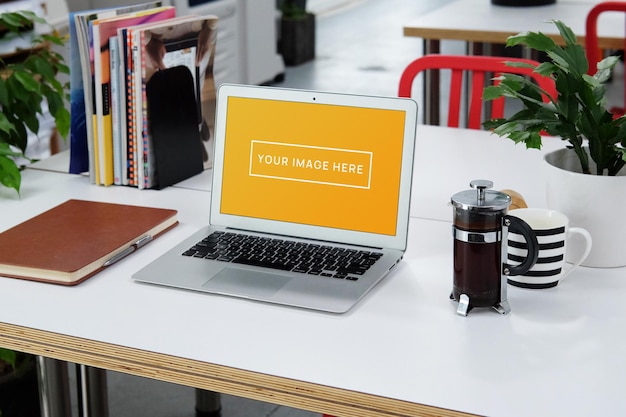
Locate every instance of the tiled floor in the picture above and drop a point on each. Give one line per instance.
(360, 49)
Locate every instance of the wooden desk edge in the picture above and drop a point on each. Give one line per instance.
(197, 374)
(493, 37)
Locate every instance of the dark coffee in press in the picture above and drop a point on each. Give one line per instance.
(477, 263)
(480, 225)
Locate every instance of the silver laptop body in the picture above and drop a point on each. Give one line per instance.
(320, 169)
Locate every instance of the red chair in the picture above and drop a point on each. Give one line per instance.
(594, 53)
(478, 67)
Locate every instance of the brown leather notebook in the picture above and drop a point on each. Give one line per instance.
(76, 239)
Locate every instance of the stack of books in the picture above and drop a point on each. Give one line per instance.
(142, 94)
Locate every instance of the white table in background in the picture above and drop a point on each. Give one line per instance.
(481, 21)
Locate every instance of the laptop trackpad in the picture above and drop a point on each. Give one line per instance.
(238, 281)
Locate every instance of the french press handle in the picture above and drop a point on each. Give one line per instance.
(519, 226)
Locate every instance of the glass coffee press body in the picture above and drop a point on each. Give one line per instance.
(480, 229)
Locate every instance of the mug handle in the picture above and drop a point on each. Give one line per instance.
(587, 236)
(519, 226)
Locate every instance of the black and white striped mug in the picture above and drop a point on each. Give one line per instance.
(553, 231)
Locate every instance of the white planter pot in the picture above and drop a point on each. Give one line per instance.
(594, 202)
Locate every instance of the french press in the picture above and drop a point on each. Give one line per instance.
(480, 229)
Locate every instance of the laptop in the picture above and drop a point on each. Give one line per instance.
(309, 202)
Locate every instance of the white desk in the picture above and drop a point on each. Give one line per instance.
(446, 160)
(400, 352)
(481, 21)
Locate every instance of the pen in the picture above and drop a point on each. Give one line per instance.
(139, 243)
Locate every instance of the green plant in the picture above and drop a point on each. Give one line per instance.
(25, 83)
(293, 9)
(578, 115)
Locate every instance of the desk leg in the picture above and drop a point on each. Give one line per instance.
(431, 86)
(208, 403)
(92, 392)
(54, 393)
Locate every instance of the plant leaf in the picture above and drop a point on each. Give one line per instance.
(533, 141)
(560, 59)
(6, 125)
(535, 40)
(4, 93)
(604, 68)
(9, 173)
(492, 92)
(501, 127)
(517, 64)
(27, 81)
(62, 121)
(546, 69)
(5, 150)
(566, 33)
(41, 66)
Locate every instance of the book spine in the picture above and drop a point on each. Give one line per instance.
(107, 117)
(122, 107)
(147, 160)
(95, 99)
(115, 111)
(130, 100)
(102, 78)
(137, 103)
(79, 144)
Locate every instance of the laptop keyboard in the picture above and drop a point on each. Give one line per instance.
(285, 255)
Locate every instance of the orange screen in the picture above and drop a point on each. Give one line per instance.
(314, 164)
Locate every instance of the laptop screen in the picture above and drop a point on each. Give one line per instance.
(315, 164)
